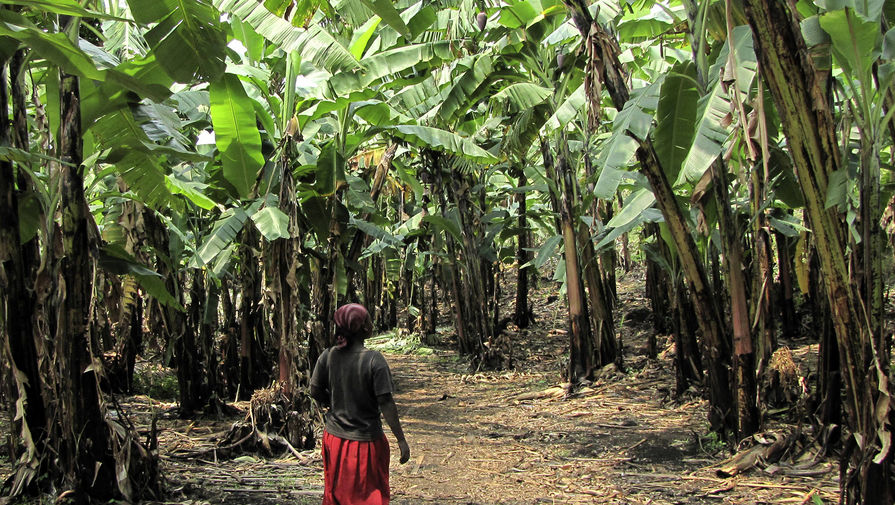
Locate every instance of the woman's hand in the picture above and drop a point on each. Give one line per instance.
(405, 451)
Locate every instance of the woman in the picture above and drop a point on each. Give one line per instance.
(356, 384)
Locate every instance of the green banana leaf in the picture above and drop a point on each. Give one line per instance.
(676, 118)
(610, 234)
(465, 89)
(187, 39)
(522, 96)
(236, 135)
(360, 41)
(63, 8)
(146, 178)
(856, 41)
(633, 122)
(192, 190)
(385, 9)
(712, 131)
(55, 47)
(272, 223)
(567, 111)
(867, 10)
(441, 223)
(387, 63)
(222, 235)
(641, 200)
(313, 43)
(545, 252)
(114, 259)
(442, 140)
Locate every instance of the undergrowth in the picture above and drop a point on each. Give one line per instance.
(156, 381)
(398, 342)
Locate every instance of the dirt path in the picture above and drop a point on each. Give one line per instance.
(509, 438)
(513, 438)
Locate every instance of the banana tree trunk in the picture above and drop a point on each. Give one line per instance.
(707, 313)
(811, 135)
(84, 438)
(286, 306)
(432, 312)
(627, 263)
(473, 275)
(762, 272)
(253, 364)
(582, 361)
(523, 314)
(468, 341)
(187, 351)
(688, 360)
(30, 249)
(606, 346)
(20, 349)
(360, 238)
(872, 245)
(230, 345)
(656, 287)
(743, 350)
(130, 338)
(208, 327)
(608, 259)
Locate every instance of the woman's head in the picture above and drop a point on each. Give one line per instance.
(353, 323)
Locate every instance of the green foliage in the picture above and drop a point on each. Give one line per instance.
(396, 342)
(712, 443)
(236, 133)
(157, 382)
(187, 38)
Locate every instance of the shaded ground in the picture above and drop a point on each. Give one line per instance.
(512, 437)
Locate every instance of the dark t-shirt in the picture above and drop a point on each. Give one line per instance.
(353, 378)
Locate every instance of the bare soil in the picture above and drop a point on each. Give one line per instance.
(516, 437)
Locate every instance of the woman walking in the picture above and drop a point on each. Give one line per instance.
(356, 384)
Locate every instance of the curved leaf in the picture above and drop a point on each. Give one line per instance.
(61, 7)
(313, 43)
(676, 118)
(55, 47)
(568, 111)
(224, 232)
(445, 224)
(632, 123)
(636, 204)
(856, 42)
(114, 259)
(523, 95)
(442, 140)
(712, 130)
(192, 190)
(385, 9)
(236, 135)
(465, 88)
(390, 62)
(272, 223)
(187, 38)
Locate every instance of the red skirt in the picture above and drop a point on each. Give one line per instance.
(355, 473)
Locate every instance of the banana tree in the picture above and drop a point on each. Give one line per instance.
(707, 312)
(73, 108)
(816, 156)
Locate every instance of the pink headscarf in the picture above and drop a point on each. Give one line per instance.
(352, 322)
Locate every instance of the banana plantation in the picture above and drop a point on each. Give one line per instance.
(204, 182)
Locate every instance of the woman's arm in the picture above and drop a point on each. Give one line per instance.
(390, 413)
(320, 395)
